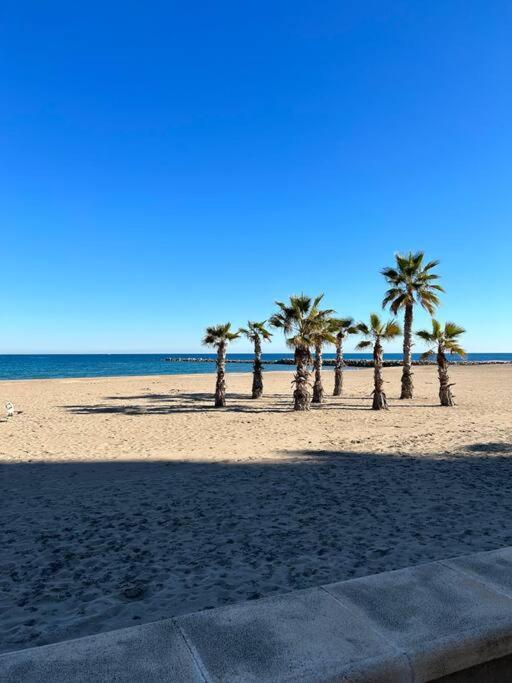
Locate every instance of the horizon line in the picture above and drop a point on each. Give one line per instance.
(184, 353)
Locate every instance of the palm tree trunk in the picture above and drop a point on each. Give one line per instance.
(338, 366)
(257, 375)
(445, 392)
(379, 397)
(220, 387)
(407, 385)
(301, 394)
(318, 387)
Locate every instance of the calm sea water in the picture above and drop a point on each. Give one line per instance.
(96, 365)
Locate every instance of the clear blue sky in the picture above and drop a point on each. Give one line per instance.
(167, 165)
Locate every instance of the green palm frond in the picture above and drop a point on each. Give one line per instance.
(445, 338)
(282, 319)
(411, 282)
(431, 264)
(426, 336)
(417, 260)
(256, 330)
(375, 323)
(391, 274)
(218, 334)
(343, 326)
(378, 330)
(428, 300)
(363, 345)
(455, 349)
(453, 330)
(302, 321)
(322, 336)
(317, 301)
(391, 330)
(397, 303)
(301, 304)
(428, 277)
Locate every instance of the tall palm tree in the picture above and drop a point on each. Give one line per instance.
(325, 334)
(342, 327)
(256, 333)
(219, 336)
(411, 282)
(441, 341)
(377, 332)
(299, 319)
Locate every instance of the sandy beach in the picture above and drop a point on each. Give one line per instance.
(128, 500)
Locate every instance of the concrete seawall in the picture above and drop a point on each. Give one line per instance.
(445, 621)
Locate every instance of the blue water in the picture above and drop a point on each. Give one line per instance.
(97, 365)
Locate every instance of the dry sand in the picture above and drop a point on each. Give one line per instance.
(127, 500)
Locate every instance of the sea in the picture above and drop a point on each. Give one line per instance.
(48, 366)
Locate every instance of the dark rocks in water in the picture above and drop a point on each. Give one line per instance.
(330, 362)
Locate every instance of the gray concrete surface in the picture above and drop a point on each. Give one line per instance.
(417, 624)
(444, 620)
(493, 568)
(150, 652)
(302, 636)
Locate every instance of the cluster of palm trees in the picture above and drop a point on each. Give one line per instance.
(308, 328)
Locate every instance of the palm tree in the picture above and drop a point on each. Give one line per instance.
(219, 336)
(442, 341)
(411, 282)
(342, 327)
(256, 333)
(377, 332)
(299, 319)
(325, 334)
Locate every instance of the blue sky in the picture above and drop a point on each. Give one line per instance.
(168, 165)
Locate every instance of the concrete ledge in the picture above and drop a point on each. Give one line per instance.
(150, 652)
(449, 620)
(302, 636)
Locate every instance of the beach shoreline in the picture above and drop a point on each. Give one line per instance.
(84, 366)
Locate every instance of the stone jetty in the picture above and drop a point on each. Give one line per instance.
(329, 362)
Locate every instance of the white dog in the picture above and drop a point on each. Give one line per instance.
(10, 409)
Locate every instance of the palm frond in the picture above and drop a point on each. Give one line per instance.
(300, 303)
(429, 301)
(217, 334)
(431, 264)
(392, 294)
(317, 301)
(391, 330)
(452, 330)
(446, 338)
(277, 320)
(375, 323)
(391, 274)
(412, 282)
(301, 319)
(455, 349)
(400, 301)
(426, 336)
(343, 326)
